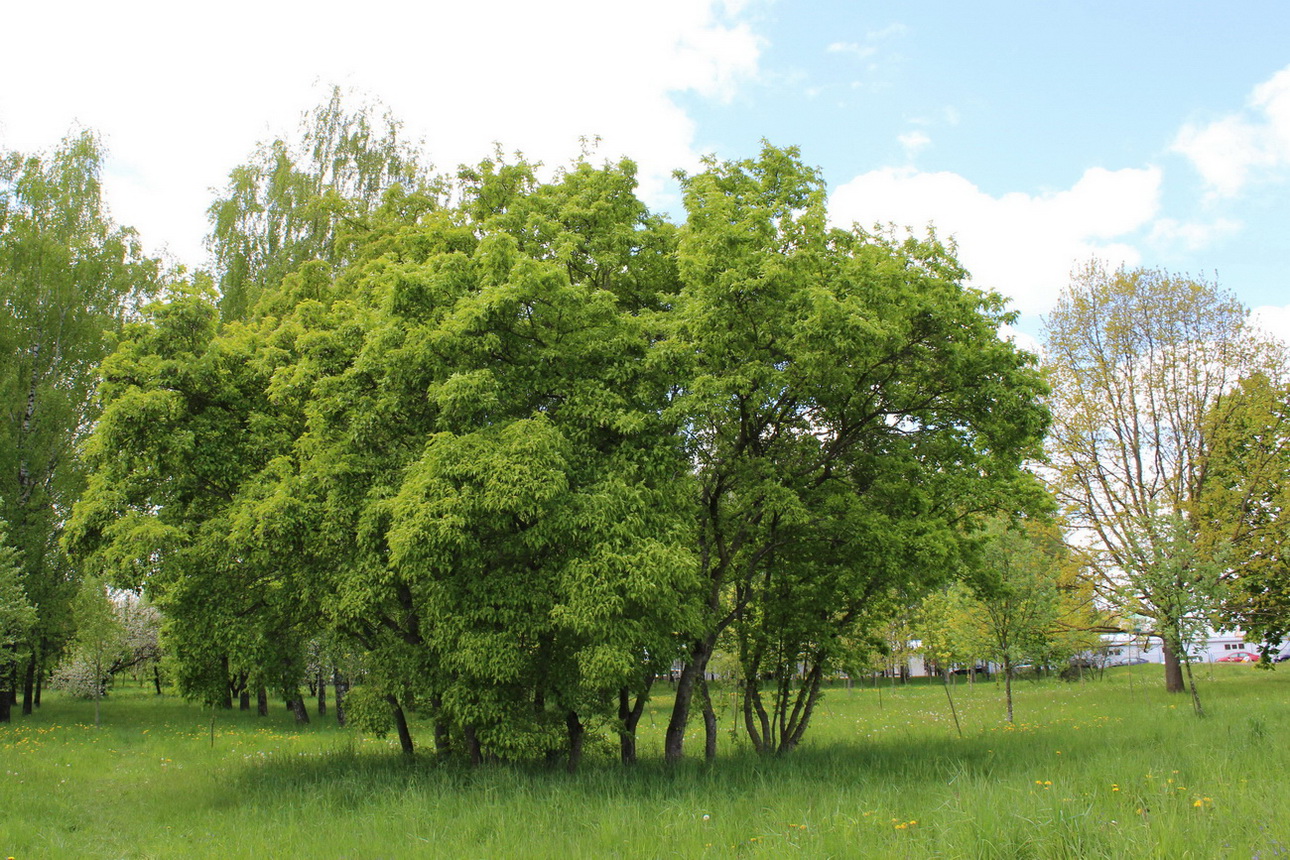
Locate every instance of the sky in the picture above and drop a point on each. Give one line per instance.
(1036, 135)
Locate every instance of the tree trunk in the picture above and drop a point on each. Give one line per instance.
(322, 695)
(340, 686)
(1173, 671)
(473, 751)
(6, 698)
(262, 702)
(629, 715)
(803, 710)
(691, 672)
(401, 723)
(1007, 685)
(577, 734)
(1195, 696)
(709, 722)
(40, 683)
(244, 699)
(750, 724)
(297, 706)
(156, 678)
(29, 686)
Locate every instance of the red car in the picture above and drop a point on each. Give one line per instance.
(1239, 657)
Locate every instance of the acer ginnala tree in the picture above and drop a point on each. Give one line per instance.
(525, 445)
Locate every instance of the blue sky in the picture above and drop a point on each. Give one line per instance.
(1037, 134)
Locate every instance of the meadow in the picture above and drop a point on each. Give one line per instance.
(1102, 768)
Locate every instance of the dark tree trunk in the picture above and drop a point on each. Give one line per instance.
(29, 686)
(803, 709)
(297, 706)
(156, 678)
(577, 734)
(40, 684)
(1173, 671)
(227, 702)
(709, 722)
(442, 742)
(473, 751)
(401, 723)
(750, 721)
(322, 696)
(244, 700)
(629, 715)
(6, 694)
(674, 742)
(340, 687)
(262, 702)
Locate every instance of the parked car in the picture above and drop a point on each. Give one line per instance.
(1239, 657)
(1281, 658)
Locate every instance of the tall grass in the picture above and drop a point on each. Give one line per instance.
(1113, 768)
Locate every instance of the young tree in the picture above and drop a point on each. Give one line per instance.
(17, 617)
(1029, 601)
(100, 638)
(1142, 364)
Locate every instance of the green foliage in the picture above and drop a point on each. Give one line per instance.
(523, 445)
(291, 206)
(1242, 504)
(849, 409)
(69, 277)
(367, 709)
(17, 615)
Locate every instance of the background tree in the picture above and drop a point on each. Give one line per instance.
(17, 617)
(100, 640)
(1142, 364)
(307, 200)
(949, 628)
(1029, 601)
(1242, 508)
(69, 278)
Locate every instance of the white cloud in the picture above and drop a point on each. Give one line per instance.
(1235, 149)
(1275, 320)
(914, 142)
(1020, 244)
(1192, 235)
(1022, 340)
(181, 92)
(859, 50)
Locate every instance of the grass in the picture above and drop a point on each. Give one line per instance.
(1114, 768)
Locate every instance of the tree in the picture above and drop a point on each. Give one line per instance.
(69, 278)
(1242, 508)
(1142, 365)
(100, 639)
(949, 628)
(17, 617)
(848, 407)
(309, 201)
(1029, 600)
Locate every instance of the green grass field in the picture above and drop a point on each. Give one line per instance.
(1111, 768)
